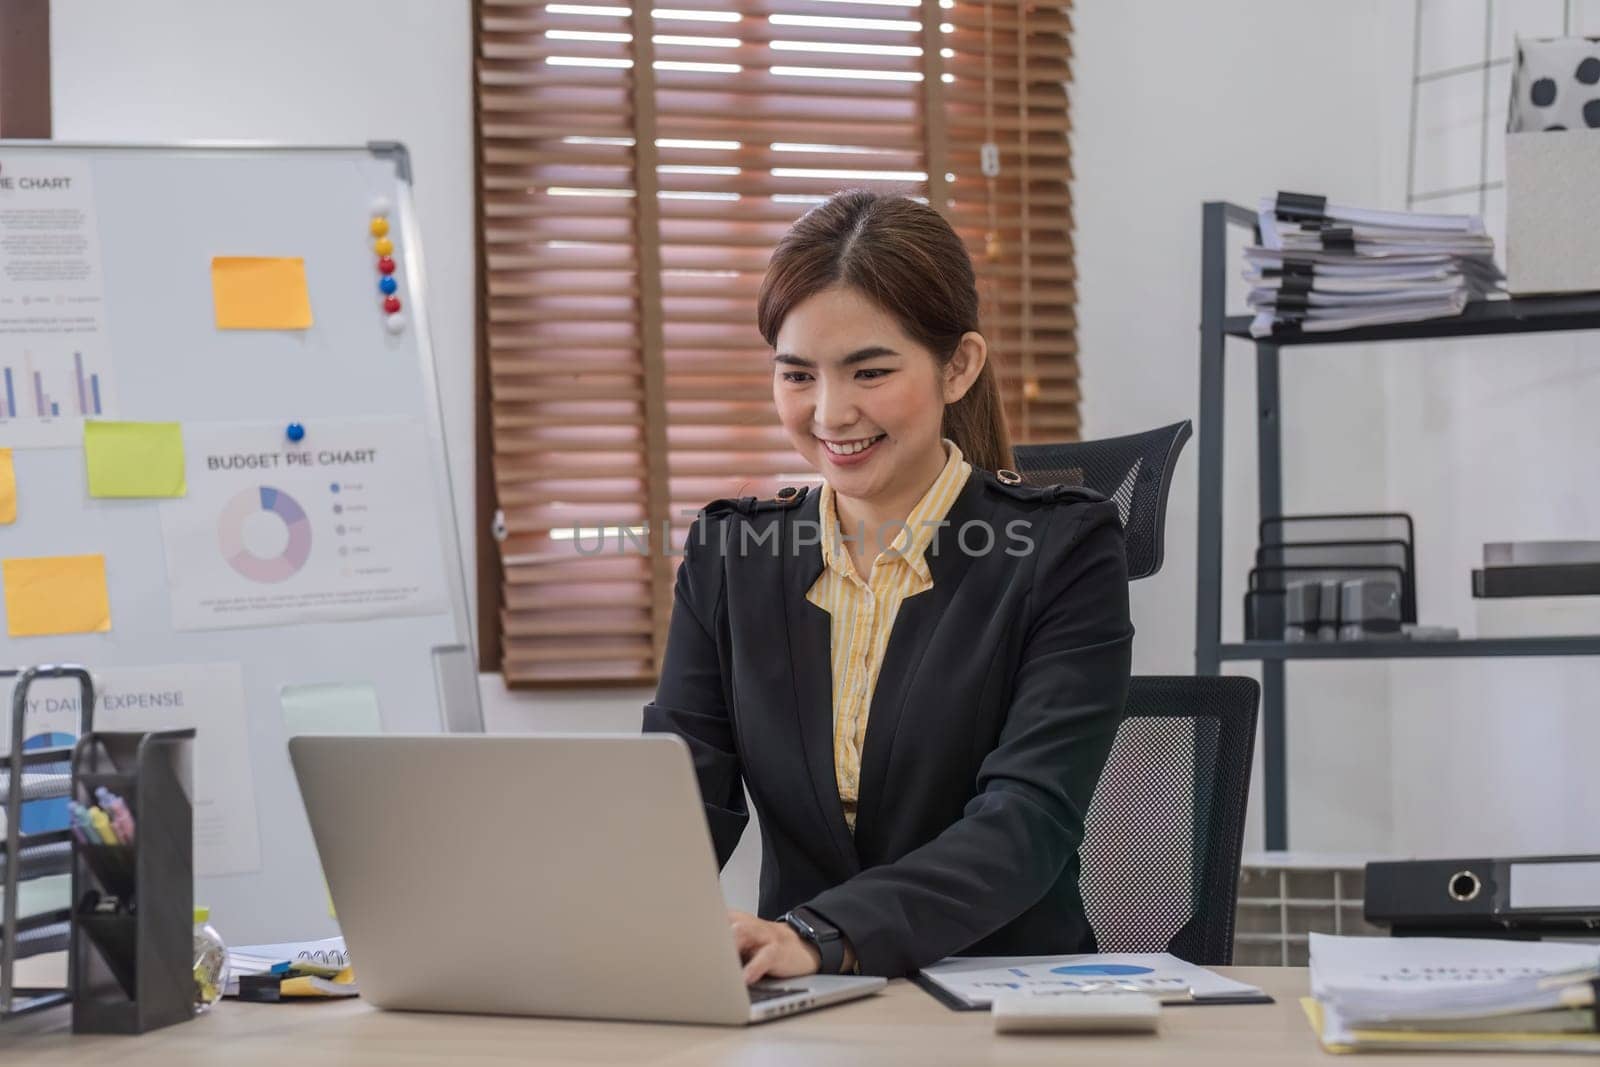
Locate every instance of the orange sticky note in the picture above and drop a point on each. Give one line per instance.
(56, 595)
(8, 488)
(260, 293)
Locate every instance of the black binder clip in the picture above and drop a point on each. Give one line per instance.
(1300, 207)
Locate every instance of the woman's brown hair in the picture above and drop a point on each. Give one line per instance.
(904, 257)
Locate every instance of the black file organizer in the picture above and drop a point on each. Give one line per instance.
(133, 970)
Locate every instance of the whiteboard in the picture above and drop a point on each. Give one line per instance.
(162, 213)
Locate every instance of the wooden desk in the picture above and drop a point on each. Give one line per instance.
(903, 1025)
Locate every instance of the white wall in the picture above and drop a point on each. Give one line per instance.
(1175, 103)
(1488, 439)
(300, 72)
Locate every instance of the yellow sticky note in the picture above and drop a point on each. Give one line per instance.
(134, 458)
(56, 595)
(260, 293)
(8, 488)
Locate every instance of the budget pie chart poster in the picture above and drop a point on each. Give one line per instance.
(338, 525)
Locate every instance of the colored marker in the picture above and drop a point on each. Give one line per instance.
(102, 826)
(117, 809)
(74, 821)
(85, 826)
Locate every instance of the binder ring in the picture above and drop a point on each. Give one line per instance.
(1464, 886)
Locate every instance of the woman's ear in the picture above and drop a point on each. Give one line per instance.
(964, 367)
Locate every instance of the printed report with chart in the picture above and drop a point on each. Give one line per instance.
(974, 982)
(336, 526)
(55, 363)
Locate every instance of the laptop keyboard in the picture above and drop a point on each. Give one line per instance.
(759, 995)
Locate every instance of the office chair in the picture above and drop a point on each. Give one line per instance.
(1160, 857)
(1160, 854)
(1135, 471)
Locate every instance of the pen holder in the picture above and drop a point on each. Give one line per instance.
(131, 967)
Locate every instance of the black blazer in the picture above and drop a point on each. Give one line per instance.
(995, 707)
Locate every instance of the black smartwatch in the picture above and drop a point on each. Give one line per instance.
(825, 937)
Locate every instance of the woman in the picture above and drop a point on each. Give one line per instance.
(917, 671)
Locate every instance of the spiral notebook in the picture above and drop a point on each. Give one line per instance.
(328, 954)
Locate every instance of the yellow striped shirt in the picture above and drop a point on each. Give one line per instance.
(862, 612)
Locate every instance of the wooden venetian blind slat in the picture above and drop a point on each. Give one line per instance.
(636, 168)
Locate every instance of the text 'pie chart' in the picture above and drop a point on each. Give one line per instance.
(247, 508)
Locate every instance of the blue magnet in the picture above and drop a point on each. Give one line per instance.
(295, 431)
(387, 284)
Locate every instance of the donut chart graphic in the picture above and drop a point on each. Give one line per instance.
(230, 534)
(1104, 970)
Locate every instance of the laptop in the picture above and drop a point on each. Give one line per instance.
(565, 876)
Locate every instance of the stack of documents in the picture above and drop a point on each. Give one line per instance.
(1461, 994)
(1323, 266)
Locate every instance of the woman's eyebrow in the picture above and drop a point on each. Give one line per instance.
(860, 355)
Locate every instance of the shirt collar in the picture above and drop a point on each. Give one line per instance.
(911, 542)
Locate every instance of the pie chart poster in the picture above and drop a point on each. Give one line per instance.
(337, 526)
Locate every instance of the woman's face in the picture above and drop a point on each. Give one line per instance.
(861, 401)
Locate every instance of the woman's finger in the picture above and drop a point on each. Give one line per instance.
(760, 963)
(747, 939)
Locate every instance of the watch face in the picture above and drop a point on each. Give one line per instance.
(812, 928)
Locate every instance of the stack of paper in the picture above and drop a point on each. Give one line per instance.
(1322, 266)
(1464, 994)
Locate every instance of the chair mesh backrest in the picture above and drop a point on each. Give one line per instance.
(1135, 471)
(1160, 855)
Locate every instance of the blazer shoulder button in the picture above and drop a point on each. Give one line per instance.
(787, 497)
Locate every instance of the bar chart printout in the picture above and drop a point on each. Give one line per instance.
(55, 356)
(45, 393)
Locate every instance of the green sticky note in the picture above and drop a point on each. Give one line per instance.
(331, 708)
(134, 459)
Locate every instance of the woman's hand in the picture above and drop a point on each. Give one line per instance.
(771, 950)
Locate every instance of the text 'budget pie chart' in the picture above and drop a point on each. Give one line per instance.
(247, 508)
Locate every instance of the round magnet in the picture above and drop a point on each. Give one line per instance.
(381, 205)
(395, 323)
(383, 246)
(295, 431)
(387, 284)
(379, 226)
(385, 265)
(391, 304)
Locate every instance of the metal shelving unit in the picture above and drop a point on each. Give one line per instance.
(1520, 315)
(28, 776)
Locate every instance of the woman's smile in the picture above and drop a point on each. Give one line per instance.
(852, 452)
